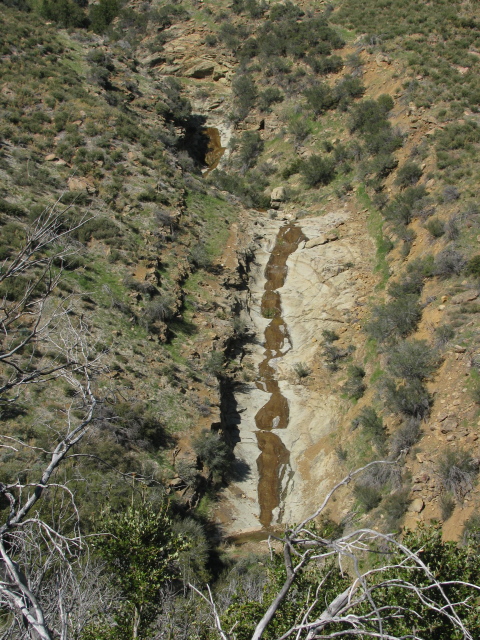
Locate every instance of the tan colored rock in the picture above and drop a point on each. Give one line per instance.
(416, 506)
(81, 184)
(315, 242)
(278, 194)
(201, 70)
(448, 425)
(466, 296)
(50, 157)
(459, 349)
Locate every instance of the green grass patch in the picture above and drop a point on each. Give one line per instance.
(375, 229)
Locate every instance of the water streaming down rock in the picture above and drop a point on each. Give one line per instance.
(274, 457)
(214, 150)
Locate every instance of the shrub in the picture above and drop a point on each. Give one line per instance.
(405, 205)
(373, 425)
(443, 334)
(404, 437)
(214, 363)
(449, 262)
(368, 497)
(332, 355)
(245, 93)
(410, 399)
(435, 227)
(409, 174)
(66, 13)
(473, 267)
(302, 370)
(412, 360)
(317, 170)
(320, 98)
(457, 470)
(200, 257)
(447, 505)
(450, 193)
(102, 14)
(471, 530)
(355, 386)
(395, 505)
(330, 336)
(251, 146)
(160, 308)
(394, 319)
(270, 96)
(214, 453)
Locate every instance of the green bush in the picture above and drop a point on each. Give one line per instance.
(473, 267)
(214, 363)
(320, 98)
(355, 385)
(368, 497)
(395, 319)
(457, 471)
(102, 14)
(395, 505)
(66, 13)
(435, 227)
(409, 398)
(412, 360)
(250, 147)
(449, 262)
(245, 92)
(372, 425)
(408, 175)
(302, 370)
(404, 437)
(214, 453)
(317, 170)
(270, 96)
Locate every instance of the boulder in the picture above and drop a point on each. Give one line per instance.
(315, 242)
(81, 184)
(463, 298)
(278, 194)
(416, 506)
(201, 70)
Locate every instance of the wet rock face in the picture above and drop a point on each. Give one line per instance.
(284, 426)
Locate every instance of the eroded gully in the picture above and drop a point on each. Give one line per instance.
(273, 461)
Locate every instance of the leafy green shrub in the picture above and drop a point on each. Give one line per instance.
(395, 319)
(66, 13)
(457, 471)
(409, 174)
(404, 437)
(250, 147)
(320, 98)
(410, 398)
(245, 92)
(373, 425)
(471, 530)
(405, 205)
(473, 266)
(355, 385)
(317, 170)
(449, 262)
(412, 360)
(214, 453)
(368, 497)
(447, 505)
(330, 336)
(102, 14)
(395, 505)
(435, 227)
(161, 308)
(270, 96)
(302, 370)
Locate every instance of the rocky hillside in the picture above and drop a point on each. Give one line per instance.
(151, 157)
